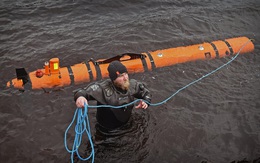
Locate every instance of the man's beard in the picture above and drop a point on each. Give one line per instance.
(123, 86)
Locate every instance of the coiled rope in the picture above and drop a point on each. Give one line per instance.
(82, 124)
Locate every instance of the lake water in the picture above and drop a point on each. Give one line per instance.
(216, 120)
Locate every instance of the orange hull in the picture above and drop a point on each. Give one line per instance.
(54, 76)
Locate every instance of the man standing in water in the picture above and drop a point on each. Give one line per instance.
(116, 91)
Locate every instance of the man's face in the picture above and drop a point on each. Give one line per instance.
(122, 81)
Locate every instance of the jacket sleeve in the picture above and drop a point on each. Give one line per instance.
(92, 92)
(80, 92)
(142, 92)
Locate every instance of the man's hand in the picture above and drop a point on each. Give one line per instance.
(80, 102)
(142, 105)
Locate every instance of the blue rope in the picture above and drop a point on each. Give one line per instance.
(82, 124)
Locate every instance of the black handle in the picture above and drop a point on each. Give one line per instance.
(118, 57)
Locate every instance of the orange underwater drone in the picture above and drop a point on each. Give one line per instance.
(55, 76)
